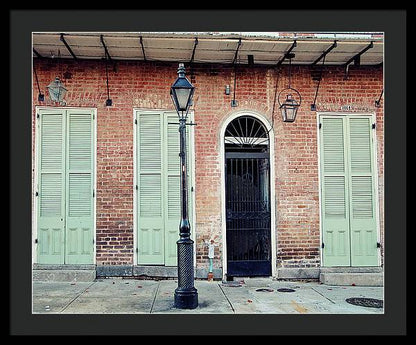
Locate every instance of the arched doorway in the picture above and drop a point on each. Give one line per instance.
(247, 198)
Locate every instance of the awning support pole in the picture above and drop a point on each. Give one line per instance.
(68, 47)
(325, 53)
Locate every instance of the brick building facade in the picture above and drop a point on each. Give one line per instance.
(139, 88)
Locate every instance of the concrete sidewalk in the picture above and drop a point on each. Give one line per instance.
(251, 296)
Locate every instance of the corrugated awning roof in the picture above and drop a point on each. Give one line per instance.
(221, 47)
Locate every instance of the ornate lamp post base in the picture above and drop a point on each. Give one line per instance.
(186, 296)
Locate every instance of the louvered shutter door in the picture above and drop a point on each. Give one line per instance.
(149, 181)
(362, 193)
(172, 195)
(79, 188)
(51, 177)
(334, 179)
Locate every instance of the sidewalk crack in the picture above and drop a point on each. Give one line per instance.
(76, 297)
(229, 302)
(154, 299)
(323, 295)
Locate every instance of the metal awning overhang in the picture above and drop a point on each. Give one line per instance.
(265, 48)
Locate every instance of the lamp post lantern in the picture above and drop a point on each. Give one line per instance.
(186, 296)
(290, 105)
(57, 90)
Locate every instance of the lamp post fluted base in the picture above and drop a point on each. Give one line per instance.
(186, 298)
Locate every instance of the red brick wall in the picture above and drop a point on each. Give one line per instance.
(146, 85)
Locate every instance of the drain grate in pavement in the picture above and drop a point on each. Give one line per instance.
(264, 290)
(365, 302)
(285, 290)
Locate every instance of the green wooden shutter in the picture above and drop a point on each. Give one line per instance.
(334, 179)
(172, 200)
(79, 188)
(158, 185)
(362, 193)
(149, 180)
(51, 202)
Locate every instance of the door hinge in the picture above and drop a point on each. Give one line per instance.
(135, 121)
(378, 245)
(93, 193)
(320, 125)
(137, 187)
(37, 194)
(323, 245)
(36, 240)
(373, 126)
(137, 250)
(93, 241)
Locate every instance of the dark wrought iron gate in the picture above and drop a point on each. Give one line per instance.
(248, 217)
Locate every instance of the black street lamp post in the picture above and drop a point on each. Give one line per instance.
(186, 296)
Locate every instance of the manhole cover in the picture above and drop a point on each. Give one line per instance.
(285, 290)
(264, 290)
(365, 302)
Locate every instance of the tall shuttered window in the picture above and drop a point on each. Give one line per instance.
(157, 176)
(65, 186)
(348, 205)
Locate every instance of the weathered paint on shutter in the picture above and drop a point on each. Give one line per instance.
(51, 182)
(362, 193)
(150, 187)
(79, 188)
(335, 211)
